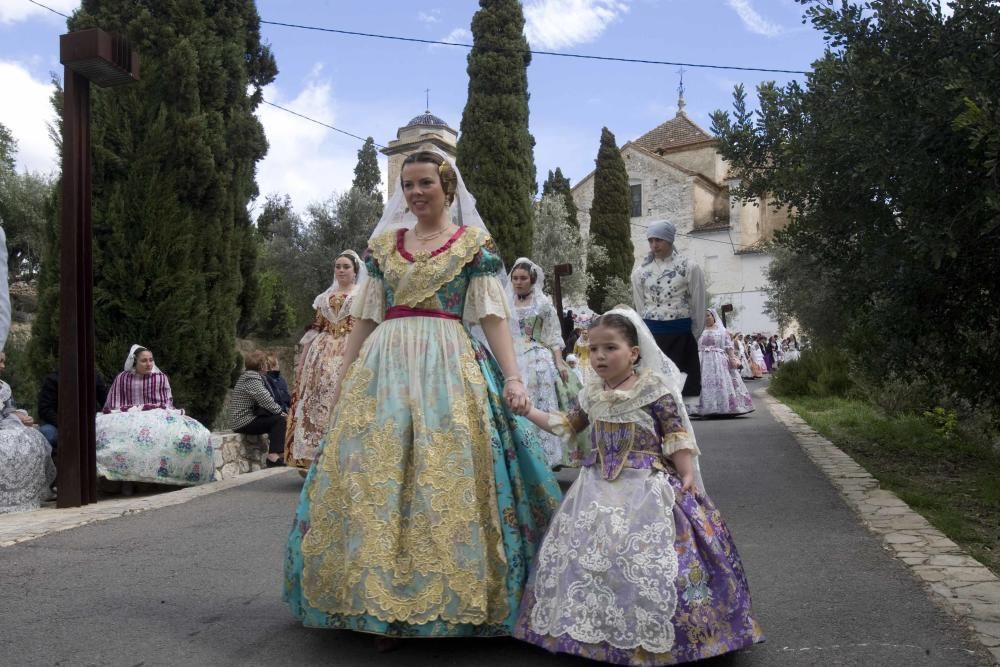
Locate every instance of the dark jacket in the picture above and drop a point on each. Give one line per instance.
(279, 389)
(48, 397)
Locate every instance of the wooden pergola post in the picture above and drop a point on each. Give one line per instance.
(105, 59)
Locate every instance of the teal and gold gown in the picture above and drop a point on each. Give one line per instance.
(428, 498)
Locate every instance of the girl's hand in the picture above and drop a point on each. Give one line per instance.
(687, 482)
(516, 397)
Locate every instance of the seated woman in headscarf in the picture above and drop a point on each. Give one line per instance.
(142, 437)
(26, 468)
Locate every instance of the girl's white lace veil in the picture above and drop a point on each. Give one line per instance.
(652, 358)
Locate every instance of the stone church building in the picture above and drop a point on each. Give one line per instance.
(676, 173)
(425, 129)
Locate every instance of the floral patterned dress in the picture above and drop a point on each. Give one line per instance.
(538, 325)
(428, 497)
(722, 389)
(142, 437)
(26, 468)
(633, 570)
(315, 377)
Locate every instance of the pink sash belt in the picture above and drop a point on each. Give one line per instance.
(395, 312)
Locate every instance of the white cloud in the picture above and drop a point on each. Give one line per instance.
(26, 117)
(460, 35)
(307, 161)
(558, 24)
(13, 11)
(456, 36)
(752, 20)
(431, 16)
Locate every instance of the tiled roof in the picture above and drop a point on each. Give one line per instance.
(427, 118)
(678, 131)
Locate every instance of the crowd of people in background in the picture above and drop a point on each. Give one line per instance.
(759, 354)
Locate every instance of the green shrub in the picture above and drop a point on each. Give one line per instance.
(819, 372)
(23, 383)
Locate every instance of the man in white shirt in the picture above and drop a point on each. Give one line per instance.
(668, 291)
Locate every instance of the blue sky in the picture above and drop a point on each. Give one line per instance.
(371, 87)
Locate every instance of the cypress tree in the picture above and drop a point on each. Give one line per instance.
(174, 158)
(359, 211)
(609, 219)
(557, 184)
(495, 151)
(367, 176)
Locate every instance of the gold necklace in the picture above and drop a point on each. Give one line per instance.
(430, 237)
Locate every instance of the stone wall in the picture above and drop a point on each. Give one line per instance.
(238, 454)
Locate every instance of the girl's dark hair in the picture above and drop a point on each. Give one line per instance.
(354, 262)
(524, 266)
(619, 323)
(447, 175)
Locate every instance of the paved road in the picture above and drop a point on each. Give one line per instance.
(199, 583)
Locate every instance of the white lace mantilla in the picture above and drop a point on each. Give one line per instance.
(606, 571)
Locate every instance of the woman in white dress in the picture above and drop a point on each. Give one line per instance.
(539, 345)
(792, 349)
(143, 437)
(26, 468)
(757, 365)
(722, 388)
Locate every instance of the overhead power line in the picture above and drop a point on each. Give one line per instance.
(48, 8)
(558, 54)
(319, 122)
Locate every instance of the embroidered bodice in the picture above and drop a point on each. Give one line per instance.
(538, 323)
(458, 279)
(638, 428)
(715, 340)
(341, 325)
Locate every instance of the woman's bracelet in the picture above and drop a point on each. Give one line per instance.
(512, 378)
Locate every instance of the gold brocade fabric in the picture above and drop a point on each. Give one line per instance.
(319, 365)
(403, 522)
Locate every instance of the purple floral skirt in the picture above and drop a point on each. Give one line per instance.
(598, 590)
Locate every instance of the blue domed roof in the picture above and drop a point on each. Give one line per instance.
(426, 118)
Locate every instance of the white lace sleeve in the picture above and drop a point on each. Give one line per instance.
(369, 302)
(484, 297)
(675, 442)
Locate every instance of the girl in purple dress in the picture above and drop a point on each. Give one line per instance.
(637, 566)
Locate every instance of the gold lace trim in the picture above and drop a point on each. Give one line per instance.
(420, 279)
(443, 559)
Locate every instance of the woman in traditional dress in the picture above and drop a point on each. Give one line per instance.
(320, 361)
(142, 437)
(638, 566)
(581, 348)
(757, 365)
(742, 357)
(26, 468)
(427, 499)
(722, 388)
(539, 347)
(792, 352)
(768, 346)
